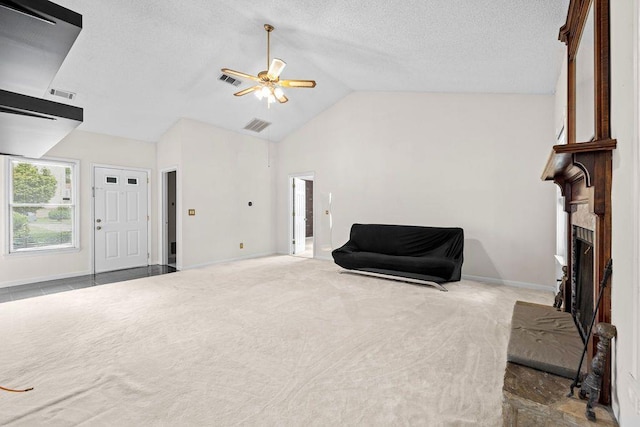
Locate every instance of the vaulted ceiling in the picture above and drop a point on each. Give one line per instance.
(138, 66)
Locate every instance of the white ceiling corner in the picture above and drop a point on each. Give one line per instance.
(138, 66)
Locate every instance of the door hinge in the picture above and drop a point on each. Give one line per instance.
(293, 242)
(147, 217)
(93, 191)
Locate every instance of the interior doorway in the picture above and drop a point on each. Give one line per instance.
(169, 218)
(301, 219)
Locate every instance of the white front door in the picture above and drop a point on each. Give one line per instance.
(299, 216)
(120, 219)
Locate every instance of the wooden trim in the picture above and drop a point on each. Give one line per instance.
(602, 69)
(571, 102)
(571, 31)
(583, 147)
(564, 157)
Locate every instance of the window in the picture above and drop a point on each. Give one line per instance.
(42, 205)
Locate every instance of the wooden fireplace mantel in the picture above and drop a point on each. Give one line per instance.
(586, 164)
(563, 156)
(583, 170)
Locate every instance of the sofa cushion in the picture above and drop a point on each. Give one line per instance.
(433, 266)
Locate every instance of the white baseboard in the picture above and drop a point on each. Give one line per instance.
(44, 278)
(512, 283)
(222, 261)
(491, 280)
(327, 257)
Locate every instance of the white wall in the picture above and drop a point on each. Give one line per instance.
(468, 160)
(88, 148)
(624, 287)
(219, 173)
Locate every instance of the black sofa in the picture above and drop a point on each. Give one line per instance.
(429, 254)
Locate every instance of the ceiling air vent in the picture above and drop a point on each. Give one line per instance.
(256, 125)
(62, 93)
(229, 79)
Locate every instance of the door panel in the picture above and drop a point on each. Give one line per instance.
(133, 206)
(133, 243)
(120, 228)
(111, 244)
(111, 207)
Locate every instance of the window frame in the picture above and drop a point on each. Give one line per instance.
(635, 357)
(74, 206)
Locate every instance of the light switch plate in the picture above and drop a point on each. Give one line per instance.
(192, 212)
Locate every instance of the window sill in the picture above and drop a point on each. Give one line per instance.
(36, 252)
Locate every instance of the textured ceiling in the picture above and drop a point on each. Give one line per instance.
(138, 66)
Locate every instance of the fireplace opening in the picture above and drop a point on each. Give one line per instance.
(582, 283)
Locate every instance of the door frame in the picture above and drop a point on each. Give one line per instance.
(163, 232)
(302, 175)
(93, 208)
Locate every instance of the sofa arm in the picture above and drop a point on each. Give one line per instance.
(347, 248)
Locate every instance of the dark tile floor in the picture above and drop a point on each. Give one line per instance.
(31, 290)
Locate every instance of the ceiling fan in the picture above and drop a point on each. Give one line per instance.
(269, 84)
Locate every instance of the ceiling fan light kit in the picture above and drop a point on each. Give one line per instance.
(269, 85)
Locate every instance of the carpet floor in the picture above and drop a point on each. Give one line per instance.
(270, 341)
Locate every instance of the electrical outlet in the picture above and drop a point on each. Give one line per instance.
(241, 245)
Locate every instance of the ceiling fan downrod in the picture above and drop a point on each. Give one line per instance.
(268, 28)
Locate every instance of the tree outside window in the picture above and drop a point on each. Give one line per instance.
(42, 205)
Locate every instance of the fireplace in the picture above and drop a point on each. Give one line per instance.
(583, 169)
(582, 278)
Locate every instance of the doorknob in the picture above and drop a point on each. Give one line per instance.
(98, 228)
(98, 220)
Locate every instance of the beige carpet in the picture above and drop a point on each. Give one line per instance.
(271, 341)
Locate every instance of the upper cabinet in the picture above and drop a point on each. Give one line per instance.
(35, 38)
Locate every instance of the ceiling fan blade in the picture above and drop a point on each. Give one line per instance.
(240, 74)
(298, 83)
(282, 99)
(276, 67)
(248, 90)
